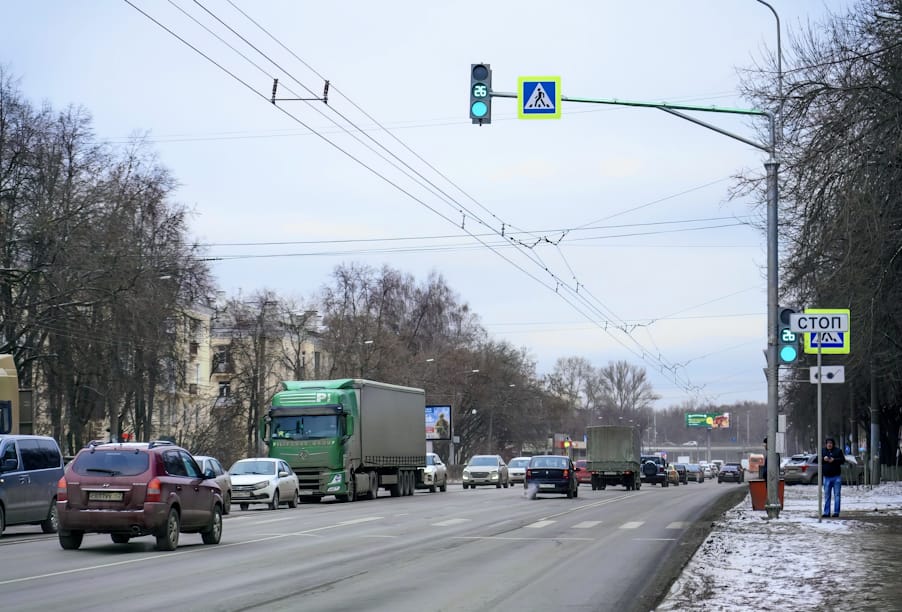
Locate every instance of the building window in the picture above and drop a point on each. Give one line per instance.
(225, 389)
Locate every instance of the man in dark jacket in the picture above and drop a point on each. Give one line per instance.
(832, 458)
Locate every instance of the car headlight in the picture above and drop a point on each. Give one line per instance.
(466, 475)
(261, 485)
(429, 469)
(494, 475)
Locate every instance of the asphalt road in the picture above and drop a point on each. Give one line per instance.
(483, 549)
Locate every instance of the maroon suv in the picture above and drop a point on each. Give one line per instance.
(130, 490)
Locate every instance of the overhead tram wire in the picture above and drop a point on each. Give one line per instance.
(559, 283)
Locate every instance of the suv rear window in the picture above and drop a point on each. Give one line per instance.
(114, 463)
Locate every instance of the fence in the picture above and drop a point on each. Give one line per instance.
(890, 473)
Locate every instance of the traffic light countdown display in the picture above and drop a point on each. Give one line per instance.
(787, 340)
(480, 93)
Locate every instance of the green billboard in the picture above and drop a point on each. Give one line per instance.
(714, 420)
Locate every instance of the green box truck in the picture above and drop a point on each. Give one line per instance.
(348, 437)
(613, 455)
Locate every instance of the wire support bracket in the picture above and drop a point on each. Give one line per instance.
(275, 87)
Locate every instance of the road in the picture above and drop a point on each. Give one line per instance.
(483, 549)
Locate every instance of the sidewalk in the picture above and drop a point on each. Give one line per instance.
(799, 561)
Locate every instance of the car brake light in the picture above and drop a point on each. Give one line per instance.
(804, 468)
(566, 473)
(154, 488)
(62, 493)
(528, 473)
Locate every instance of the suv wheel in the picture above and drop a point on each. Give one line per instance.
(227, 503)
(213, 533)
(119, 538)
(168, 538)
(52, 522)
(71, 540)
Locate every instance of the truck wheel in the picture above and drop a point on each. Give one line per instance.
(244, 506)
(374, 486)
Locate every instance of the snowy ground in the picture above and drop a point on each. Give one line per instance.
(799, 561)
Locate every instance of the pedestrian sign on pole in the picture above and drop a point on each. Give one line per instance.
(829, 342)
(539, 97)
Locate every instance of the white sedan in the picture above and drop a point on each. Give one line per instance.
(263, 481)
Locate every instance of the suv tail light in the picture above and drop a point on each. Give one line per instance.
(566, 473)
(154, 491)
(62, 492)
(804, 468)
(528, 473)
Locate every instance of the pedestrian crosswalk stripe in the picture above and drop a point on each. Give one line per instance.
(586, 524)
(632, 525)
(449, 522)
(540, 524)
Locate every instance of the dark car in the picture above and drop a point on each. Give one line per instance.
(683, 472)
(134, 489)
(551, 474)
(730, 472)
(653, 471)
(696, 474)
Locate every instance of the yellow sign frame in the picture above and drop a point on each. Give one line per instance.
(847, 335)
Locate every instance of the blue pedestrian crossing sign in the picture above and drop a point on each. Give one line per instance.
(829, 342)
(539, 97)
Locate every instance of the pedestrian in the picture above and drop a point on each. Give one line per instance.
(833, 459)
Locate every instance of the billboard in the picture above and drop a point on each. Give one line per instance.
(713, 420)
(438, 422)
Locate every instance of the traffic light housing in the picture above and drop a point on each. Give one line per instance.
(481, 93)
(787, 340)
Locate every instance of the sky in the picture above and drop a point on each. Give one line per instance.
(607, 234)
(798, 561)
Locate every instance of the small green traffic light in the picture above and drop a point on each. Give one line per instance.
(481, 93)
(788, 354)
(479, 109)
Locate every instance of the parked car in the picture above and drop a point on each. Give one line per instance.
(516, 468)
(552, 474)
(583, 475)
(653, 470)
(434, 475)
(695, 473)
(801, 469)
(211, 464)
(486, 470)
(852, 471)
(263, 480)
(730, 472)
(673, 477)
(683, 472)
(30, 467)
(134, 489)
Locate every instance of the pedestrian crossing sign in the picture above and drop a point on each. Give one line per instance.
(539, 97)
(829, 342)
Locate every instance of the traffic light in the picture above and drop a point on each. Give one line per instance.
(787, 340)
(480, 93)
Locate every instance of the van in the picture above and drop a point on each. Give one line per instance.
(30, 468)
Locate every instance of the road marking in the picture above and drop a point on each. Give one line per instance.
(678, 525)
(276, 520)
(512, 539)
(539, 524)
(449, 522)
(586, 525)
(632, 525)
(365, 519)
(654, 539)
(378, 536)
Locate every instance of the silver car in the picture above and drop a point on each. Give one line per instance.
(263, 481)
(486, 470)
(517, 469)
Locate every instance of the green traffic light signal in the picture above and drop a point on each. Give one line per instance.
(480, 93)
(787, 340)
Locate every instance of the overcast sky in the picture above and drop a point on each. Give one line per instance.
(619, 242)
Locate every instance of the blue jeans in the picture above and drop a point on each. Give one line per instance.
(832, 485)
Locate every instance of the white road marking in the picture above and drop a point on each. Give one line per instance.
(586, 525)
(449, 522)
(539, 524)
(678, 525)
(632, 525)
(365, 519)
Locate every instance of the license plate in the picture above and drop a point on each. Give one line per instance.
(240, 494)
(303, 492)
(105, 495)
(546, 486)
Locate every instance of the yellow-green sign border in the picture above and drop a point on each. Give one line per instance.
(847, 336)
(557, 97)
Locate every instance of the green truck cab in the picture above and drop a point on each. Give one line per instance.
(348, 437)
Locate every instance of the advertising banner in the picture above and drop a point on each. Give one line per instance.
(714, 420)
(438, 422)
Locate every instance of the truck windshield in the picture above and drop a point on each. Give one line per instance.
(308, 427)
